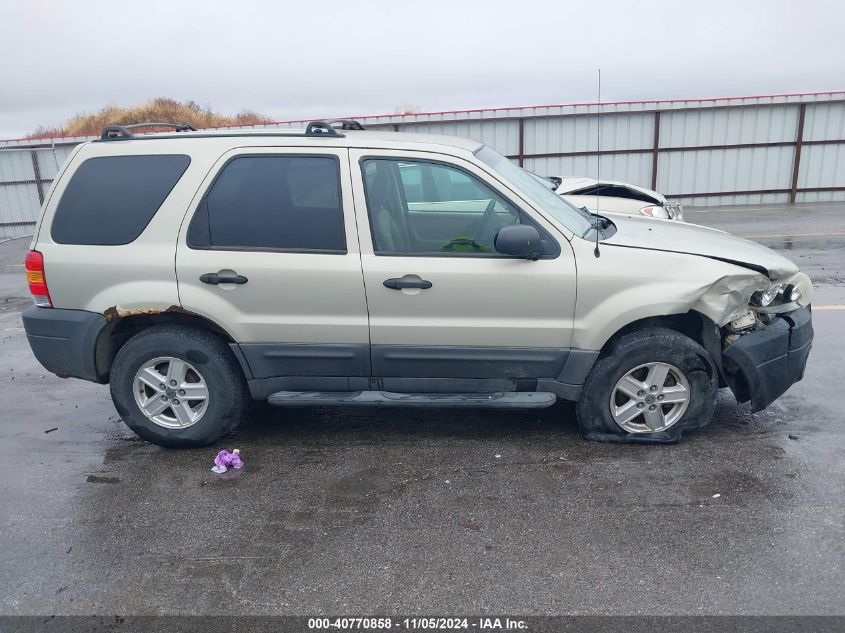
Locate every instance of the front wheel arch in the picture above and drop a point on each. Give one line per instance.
(689, 324)
(698, 327)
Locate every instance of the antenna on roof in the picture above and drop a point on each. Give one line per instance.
(598, 168)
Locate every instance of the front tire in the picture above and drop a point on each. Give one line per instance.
(651, 386)
(178, 387)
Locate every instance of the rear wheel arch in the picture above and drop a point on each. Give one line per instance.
(119, 330)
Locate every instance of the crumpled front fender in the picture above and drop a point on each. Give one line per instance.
(727, 298)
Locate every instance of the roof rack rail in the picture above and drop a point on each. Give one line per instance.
(347, 124)
(120, 132)
(328, 128)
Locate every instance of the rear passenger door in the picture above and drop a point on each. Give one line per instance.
(270, 253)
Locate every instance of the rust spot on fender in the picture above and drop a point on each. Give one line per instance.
(114, 312)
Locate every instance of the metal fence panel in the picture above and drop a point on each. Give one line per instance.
(713, 171)
(824, 121)
(25, 177)
(738, 199)
(622, 167)
(579, 133)
(822, 166)
(820, 196)
(17, 203)
(728, 126)
(49, 161)
(16, 165)
(501, 134)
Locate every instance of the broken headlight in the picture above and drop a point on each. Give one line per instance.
(775, 295)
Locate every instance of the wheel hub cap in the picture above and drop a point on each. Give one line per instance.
(650, 398)
(171, 393)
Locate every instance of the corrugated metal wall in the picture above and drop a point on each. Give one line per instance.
(746, 150)
(25, 177)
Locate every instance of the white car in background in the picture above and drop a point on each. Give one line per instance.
(615, 197)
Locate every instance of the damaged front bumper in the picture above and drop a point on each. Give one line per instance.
(761, 365)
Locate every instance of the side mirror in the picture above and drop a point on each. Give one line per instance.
(519, 240)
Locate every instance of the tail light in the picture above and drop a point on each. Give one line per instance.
(34, 265)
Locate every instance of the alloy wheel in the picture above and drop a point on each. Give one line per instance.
(171, 392)
(650, 398)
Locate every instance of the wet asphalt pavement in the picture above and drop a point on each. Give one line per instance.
(403, 511)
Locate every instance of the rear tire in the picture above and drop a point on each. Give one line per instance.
(650, 387)
(189, 384)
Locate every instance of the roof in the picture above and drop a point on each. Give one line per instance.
(292, 136)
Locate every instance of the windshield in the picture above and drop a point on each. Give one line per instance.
(576, 220)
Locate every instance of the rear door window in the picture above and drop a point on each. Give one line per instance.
(272, 202)
(110, 200)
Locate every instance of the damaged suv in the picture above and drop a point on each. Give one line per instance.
(196, 271)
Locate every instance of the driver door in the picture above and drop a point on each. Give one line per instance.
(442, 302)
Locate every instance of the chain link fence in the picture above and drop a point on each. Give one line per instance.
(25, 177)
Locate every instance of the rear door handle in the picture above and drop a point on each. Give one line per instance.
(408, 281)
(214, 279)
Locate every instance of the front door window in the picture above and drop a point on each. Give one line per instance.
(422, 207)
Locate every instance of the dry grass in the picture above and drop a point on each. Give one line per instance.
(161, 110)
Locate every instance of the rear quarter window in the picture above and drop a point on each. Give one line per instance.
(110, 200)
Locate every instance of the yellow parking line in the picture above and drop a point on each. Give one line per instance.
(757, 237)
(838, 306)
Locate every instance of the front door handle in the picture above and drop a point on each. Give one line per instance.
(214, 279)
(408, 281)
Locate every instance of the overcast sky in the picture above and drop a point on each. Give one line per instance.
(294, 59)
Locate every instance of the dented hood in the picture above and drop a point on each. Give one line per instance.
(692, 239)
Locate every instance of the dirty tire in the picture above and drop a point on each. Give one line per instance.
(228, 395)
(634, 349)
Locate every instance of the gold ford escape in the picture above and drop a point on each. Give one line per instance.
(193, 271)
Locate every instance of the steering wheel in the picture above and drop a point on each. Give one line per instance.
(488, 222)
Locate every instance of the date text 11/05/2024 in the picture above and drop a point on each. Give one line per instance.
(413, 624)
